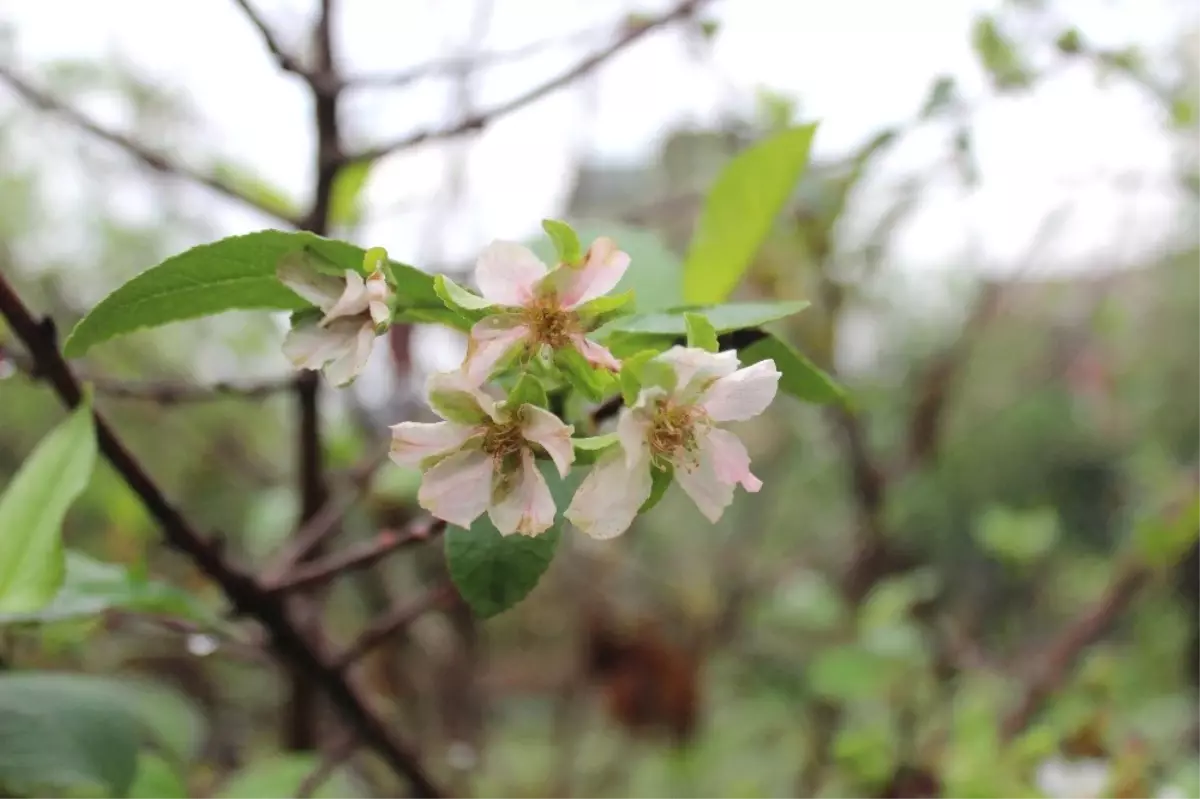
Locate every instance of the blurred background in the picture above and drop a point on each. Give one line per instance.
(974, 584)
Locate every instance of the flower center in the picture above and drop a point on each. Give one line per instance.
(549, 324)
(502, 440)
(673, 429)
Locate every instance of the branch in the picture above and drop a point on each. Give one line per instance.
(152, 159)
(338, 754)
(632, 34)
(242, 591)
(402, 615)
(286, 61)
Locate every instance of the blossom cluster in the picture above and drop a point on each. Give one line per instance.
(482, 457)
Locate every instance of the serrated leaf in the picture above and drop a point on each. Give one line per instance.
(799, 376)
(723, 318)
(345, 197)
(32, 509)
(282, 775)
(740, 211)
(660, 481)
(700, 332)
(494, 572)
(565, 241)
(235, 273)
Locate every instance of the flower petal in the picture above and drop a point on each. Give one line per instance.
(611, 495)
(492, 338)
(310, 346)
(602, 269)
(459, 488)
(632, 431)
(414, 442)
(526, 506)
(700, 478)
(596, 354)
(742, 395)
(342, 370)
(456, 398)
(506, 273)
(548, 431)
(730, 459)
(354, 300)
(322, 290)
(695, 368)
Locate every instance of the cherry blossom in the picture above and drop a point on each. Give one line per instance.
(482, 457)
(353, 312)
(536, 308)
(676, 426)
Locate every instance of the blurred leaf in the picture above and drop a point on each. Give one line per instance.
(723, 318)
(998, 56)
(700, 332)
(157, 779)
(740, 212)
(233, 273)
(32, 509)
(92, 587)
(1162, 540)
(246, 183)
(892, 601)
(810, 600)
(565, 241)
(346, 195)
(1183, 112)
(281, 775)
(847, 673)
(660, 481)
(942, 95)
(1069, 42)
(493, 572)
(800, 377)
(1017, 536)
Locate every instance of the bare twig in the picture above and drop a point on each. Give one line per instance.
(286, 61)
(584, 66)
(152, 159)
(339, 753)
(402, 615)
(242, 591)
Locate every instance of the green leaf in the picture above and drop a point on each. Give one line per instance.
(631, 375)
(157, 779)
(723, 318)
(565, 240)
(461, 407)
(92, 587)
(740, 212)
(73, 732)
(32, 509)
(234, 273)
(494, 572)
(282, 775)
(588, 449)
(810, 600)
(660, 482)
(588, 379)
(846, 673)
(700, 332)
(345, 198)
(1162, 541)
(1017, 536)
(998, 55)
(459, 299)
(594, 311)
(799, 376)
(528, 391)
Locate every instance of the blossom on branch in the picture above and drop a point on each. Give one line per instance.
(673, 426)
(481, 458)
(534, 308)
(353, 312)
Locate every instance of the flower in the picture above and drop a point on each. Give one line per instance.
(1088, 777)
(675, 426)
(481, 458)
(353, 309)
(539, 308)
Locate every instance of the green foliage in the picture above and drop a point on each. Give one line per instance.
(660, 481)
(593, 382)
(1160, 541)
(849, 673)
(740, 211)
(998, 56)
(631, 376)
(346, 197)
(156, 779)
(723, 318)
(811, 601)
(32, 508)
(528, 390)
(281, 775)
(467, 305)
(588, 448)
(700, 332)
(1017, 536)
(234, 273)
(799, 376)
(565, 240)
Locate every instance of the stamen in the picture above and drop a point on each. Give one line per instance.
(549, 324)
(673, 431)
(502, 440)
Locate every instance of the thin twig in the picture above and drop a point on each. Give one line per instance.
(286, 61)
(584, 66)
(152, 159)
(402, 615)
(339, 753)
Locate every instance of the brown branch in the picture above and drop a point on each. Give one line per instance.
(286, 61)
(242, 591)
(583, 67)
(402, 615)
(150, 158)
(361, 556)
(338, 754)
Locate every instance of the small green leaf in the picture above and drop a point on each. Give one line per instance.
(660, 482)
(345, 198)
(740, 212)
(156, 779)
(587, 449)
(375, 259)
(799, 376)
(631, 375)
(586, 378)
(656, 374)
(1162, 541)
(235, 273)
(32, 509)
(494, 572)
(565, 240)
(700, 332)
(597, 311)
(528, 391)
(998, 56)
(461, 407)
(847, 673)
(1017, 536)
(458, 298)
(723, 318)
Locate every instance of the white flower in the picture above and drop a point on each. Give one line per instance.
(1073, 779)
(539, 308)
(482, 457)
(353, 309)
(677, 427)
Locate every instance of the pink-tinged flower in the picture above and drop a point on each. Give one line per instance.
(481, 458)
(353, 312)
(534, 307)
(677, 427)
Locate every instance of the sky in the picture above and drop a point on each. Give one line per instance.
(855, 65)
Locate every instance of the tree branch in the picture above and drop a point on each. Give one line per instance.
(632, 34)
(402, 615)
(150, 158)
(286, 61)
(242, 591)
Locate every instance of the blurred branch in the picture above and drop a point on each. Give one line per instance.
(152, 159)
(338, 753)
(286, 61)
(243, 592)
(402, 615)
(631, 35)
